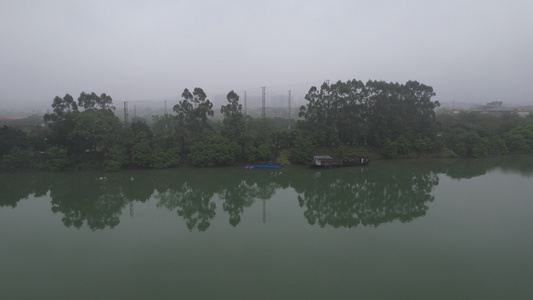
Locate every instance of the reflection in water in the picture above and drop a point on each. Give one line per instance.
(366, 197)
(80, 200)
(192, 195)
(372, 195)
(192, 203)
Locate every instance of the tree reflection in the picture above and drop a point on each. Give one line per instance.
(94, 202)
(246, 189)
(192, 203)
(191, 194)
(236, 198)
(17, 186)
(367, 197)
(347, 197)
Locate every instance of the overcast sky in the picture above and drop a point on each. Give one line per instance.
(469, 51)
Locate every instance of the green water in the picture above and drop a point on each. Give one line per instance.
(430, 229)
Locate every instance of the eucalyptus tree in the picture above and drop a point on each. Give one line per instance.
(318, 114)
(92, 101)
(61, 120)
(393, 110)
(334, 113)
(352, 112)
(233, 118)
(88, 125)
(192, 114)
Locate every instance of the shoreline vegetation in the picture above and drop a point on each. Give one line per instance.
(375, 119)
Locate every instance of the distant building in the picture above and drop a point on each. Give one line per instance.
(493, 108)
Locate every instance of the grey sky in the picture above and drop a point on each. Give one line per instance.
(469, 51)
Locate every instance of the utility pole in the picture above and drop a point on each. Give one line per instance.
(134, 110)
(165, 107)
(263, 114)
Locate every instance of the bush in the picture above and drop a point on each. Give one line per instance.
(17, 159)
(165, 159)
(111, 166)
(302, 152)
(283, 158)
(213, 150)
(390, 149)
(56, 159)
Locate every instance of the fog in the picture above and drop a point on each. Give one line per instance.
(469, 51)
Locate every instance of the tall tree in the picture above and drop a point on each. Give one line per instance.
(370, 113)
(61, 120)
(233, 117)
(91, 101)
(192, 114)
(93, 128)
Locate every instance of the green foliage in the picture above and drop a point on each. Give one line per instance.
(370, 113)
(467, 143)
(396, 119)
(283, 139)
(460, 149)
(233, 117)
(192, 113)
(92, 129)
(341, 152)
(213, 150)
(496, 145)
(165, 126)
(263, 152)
(141, 152)
(421, 144)
(118, 153)
(403, 145)
(139, 127)
(302, 152)
(479, 149)
(249, 152)
(165, 154)
(283, 158)
(165, 158)
(17, 159)
(483, 135)
(516, 142)
(11, 137)
(56, 159)
(92, 101)
(111, 165)
(390, 149)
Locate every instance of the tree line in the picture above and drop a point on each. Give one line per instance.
(392, 120)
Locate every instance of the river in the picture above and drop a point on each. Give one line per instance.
(407, 229)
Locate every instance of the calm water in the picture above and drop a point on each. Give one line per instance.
(435, 229)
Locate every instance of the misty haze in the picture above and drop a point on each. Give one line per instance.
(266, 149)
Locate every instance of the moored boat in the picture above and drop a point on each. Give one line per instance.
(325, 161)
(269, 165)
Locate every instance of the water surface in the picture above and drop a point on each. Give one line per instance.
(424, 229)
